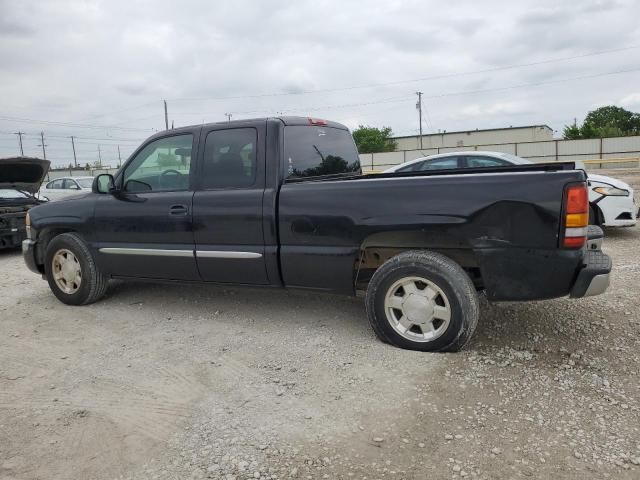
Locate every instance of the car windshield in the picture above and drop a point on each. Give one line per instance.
(10, 193)
(85, 182)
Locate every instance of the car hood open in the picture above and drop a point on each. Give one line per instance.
(23, 173)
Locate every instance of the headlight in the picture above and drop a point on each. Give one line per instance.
(612, 191)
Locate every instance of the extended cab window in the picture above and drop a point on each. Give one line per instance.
(230, 158)
(162, 165)
(310, 151)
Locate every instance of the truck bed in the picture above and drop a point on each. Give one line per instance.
(504, 222)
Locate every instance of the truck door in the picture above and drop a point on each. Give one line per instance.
(146, 229)
(227, 204)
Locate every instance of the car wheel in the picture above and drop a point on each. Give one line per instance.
(71, 271)
(420, 300)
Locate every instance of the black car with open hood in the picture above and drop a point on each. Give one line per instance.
(20, 179)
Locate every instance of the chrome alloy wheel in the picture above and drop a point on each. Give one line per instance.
(66, 271)
(417, 309)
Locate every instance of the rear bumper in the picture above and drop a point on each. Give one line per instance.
(29, 255)
(593, 278)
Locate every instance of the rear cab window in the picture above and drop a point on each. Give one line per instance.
(313, 151)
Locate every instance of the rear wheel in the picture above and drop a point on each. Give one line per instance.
(422, 301)
(71, 271)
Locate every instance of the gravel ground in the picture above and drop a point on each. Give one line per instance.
(175, 382)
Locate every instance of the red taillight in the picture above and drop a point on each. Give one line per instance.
(577, 199)
(576, 216)
(317, 121)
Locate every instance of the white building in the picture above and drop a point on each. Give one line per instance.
(473, 138)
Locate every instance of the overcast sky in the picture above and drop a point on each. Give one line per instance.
(109, 64)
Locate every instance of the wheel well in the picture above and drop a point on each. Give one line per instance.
(379, 248)
(599, 217)
(44, 237)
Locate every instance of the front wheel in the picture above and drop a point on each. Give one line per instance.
(71, 271)
(424, 301)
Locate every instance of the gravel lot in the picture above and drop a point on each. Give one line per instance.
(176, 382)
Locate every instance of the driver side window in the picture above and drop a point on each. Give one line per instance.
(161, 166)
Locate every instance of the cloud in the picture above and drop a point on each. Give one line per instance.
(113, 63)
(631, 101)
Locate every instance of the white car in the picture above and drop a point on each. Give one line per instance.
(611, 200)
(66, 187)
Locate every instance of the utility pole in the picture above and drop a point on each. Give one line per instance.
(99, 157)
(119, 157)
(44, 152)
(73, 145)
(228, 115)
(419, 107)
(166, 116)
(19, 134)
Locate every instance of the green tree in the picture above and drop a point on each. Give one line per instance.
(609, 121)
(571, 132)
(374, 140)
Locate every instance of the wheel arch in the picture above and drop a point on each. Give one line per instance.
(598, 214)
(45, 235)
(381, 246)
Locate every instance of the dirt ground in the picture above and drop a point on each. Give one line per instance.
(176, 382)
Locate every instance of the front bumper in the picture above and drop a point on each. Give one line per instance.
(12, 230)
(593, 278)
(29, 255)
(618, 211)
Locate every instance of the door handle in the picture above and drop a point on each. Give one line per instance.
(178, 210)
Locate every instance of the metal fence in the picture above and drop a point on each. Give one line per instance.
(627, 149)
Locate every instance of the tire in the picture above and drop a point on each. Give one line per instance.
(91, 285)
(447, 288)
(594, 218)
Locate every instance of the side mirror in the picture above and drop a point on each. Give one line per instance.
(103, 183)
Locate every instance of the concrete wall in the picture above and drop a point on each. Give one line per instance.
(545, 151)
(476, 137)
(53, 174)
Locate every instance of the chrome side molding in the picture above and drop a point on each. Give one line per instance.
(159, 252)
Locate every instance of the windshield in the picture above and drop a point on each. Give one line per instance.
(312, 151)
(7, 193)
(85, 182)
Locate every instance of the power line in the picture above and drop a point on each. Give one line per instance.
(309, 109)
(414, 80)
(534, 84)
(448, 94)
(113, 112)
(67, 124)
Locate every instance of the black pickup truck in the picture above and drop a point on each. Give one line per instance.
(281, 202)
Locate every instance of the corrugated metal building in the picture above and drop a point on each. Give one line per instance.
(471, 138)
